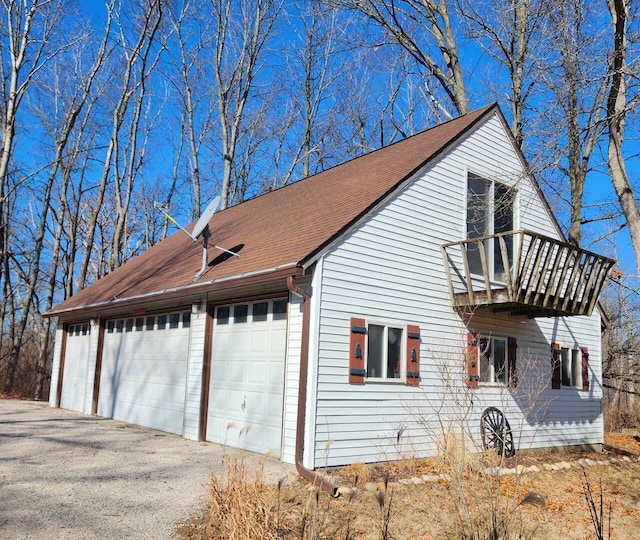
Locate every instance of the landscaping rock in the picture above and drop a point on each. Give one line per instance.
(534, 499)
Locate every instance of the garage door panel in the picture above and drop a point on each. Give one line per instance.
(247, 381)
(144, 373)
(76, 363)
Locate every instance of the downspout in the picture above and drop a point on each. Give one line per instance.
(311, 476)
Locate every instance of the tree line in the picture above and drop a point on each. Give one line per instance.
(106, 110)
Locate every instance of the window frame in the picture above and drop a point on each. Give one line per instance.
(572, 358)
(507, 375)
(384, 360)
(490, 218)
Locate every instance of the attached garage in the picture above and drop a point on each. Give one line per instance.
(74, 369)
(144, 370)
(247, 375)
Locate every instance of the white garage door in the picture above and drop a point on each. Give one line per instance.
(247, 375)
(76, 360)
(144, 369)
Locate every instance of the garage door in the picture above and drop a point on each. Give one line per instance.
(247, 375)
(76, 360)
(144, 368)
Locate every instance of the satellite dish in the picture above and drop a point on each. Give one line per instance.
(203, 221)
(201, 228)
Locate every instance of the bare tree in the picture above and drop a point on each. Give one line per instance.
(510, 33)
(136, 49)
(423, 28)
(30, 42)
(575, 74)
(617, 109)
(191, 39)
(241, 33)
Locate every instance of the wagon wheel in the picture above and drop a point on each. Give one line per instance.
(496, 432)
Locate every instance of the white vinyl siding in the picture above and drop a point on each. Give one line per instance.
(292, 378)
(194, 375)
(390, 268)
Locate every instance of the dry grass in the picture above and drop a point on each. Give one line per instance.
(468, 504)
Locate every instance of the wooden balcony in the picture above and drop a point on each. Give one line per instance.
(525, 273)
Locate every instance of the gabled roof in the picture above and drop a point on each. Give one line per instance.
(281, 229)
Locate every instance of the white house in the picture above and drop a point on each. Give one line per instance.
(420, 289)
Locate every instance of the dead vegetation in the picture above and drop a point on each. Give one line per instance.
(432, 498)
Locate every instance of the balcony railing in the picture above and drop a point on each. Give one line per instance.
(525, 273)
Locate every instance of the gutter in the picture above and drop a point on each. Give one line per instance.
(309, 475)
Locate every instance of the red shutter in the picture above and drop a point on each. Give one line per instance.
(413, 355)
(585, 368)
(512, 349)
(473, 363)
(556, 367)
(356, 351)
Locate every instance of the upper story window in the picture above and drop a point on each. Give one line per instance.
(490, 211)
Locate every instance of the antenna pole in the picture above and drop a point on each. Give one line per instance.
(205, 242)
(166, 214)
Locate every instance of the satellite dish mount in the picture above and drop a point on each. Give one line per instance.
(200, 229)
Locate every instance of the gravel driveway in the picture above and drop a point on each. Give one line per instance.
(64, 475)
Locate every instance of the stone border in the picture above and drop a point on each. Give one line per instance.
(522, 469)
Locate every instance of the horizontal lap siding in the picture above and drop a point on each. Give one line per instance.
(55, 365)
(292, 377)
(391, 270)
(193, 394)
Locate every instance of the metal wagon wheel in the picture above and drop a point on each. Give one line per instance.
(496, 432)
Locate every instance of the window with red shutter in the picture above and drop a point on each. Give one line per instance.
(473, 363)
(585, 368)
(491, 360)
(356, 351)
(556, 366)
(413, 355)
(383, 352)
(512, 354)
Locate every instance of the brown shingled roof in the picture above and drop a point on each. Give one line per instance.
(283, 228)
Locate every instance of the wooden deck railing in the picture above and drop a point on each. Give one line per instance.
(525, 273)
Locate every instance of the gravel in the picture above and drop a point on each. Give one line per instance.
(65, 475)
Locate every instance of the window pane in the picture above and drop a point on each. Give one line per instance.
(279, 310)
(260, 311)
(129, 325)
(394, 353)
(576, 372)
(502, 222)
(110, 326)
(149, 323)
(139, 324)
(484, 355)
(186, 319)
(222, 315)
(374, 350)
(162, 322)
(478, 223)
(566, 367)
(174, 320)
(499, 360)
(240, 313)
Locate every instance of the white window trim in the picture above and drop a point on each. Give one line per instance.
(403, 346)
